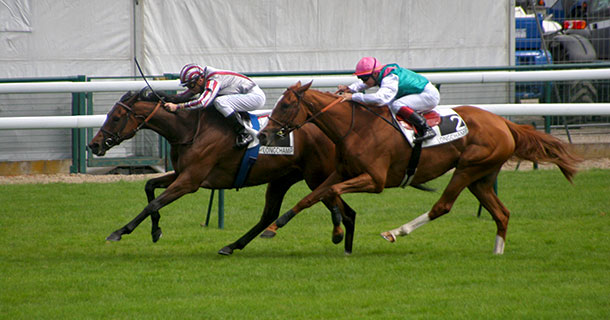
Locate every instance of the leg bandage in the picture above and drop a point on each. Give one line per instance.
(407, 228)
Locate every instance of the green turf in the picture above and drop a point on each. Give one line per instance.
(55, 264)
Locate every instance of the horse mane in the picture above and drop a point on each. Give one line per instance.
(330, 94)
(126, 96)
(146, 95)
(325, 93)
(149, 96)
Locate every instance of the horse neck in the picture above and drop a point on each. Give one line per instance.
(335, 122)
(174, 127)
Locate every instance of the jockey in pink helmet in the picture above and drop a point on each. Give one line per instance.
(367, 65)
(405, 92)
(230, 92)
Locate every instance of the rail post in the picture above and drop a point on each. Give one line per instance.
(79, 135)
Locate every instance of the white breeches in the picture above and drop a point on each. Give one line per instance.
(255, 99)
(420, 102)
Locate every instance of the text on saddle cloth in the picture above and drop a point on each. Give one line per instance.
(447, 124)
(279, 146)
(254, 121)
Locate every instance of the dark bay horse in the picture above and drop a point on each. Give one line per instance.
(202, 155)
(373, 155)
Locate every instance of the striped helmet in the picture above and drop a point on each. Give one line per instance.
(367, 65)
(190, 72)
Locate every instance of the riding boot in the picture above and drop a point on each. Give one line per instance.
(424, 132)
(243, 137)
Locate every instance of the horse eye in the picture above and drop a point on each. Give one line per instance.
(115, 118)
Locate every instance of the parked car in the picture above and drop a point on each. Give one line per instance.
(540, 39)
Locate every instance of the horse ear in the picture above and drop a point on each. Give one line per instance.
(142, 94)
(305, 87)
(126, 96)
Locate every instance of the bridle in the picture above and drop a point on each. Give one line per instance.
(116, 138)
(285, 128)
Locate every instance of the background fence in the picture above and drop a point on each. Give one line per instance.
(95, 96)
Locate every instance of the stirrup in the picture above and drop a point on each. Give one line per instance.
(243, 140)
(429, 134)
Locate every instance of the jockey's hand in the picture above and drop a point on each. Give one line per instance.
(171, 107)
(346, 96)
(342, 88)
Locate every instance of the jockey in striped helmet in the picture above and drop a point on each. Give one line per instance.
(229, 92)
(190, 72)
(405, 92)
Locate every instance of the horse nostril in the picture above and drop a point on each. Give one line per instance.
(95, 148)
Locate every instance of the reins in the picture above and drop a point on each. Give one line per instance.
(286, 129)
(392, 123)
(150, 115)
(115, 138)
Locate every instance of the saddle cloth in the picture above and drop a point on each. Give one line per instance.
(447, 124)
(253, 121)
(280, 146)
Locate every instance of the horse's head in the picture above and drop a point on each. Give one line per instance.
(287, 115)
(122, 123)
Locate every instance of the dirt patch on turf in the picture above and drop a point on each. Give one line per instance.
(104, 178)
(75, 178)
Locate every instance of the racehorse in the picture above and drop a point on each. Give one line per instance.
(373, 154)
(203, 156)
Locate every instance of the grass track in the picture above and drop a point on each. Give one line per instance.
(55, 264)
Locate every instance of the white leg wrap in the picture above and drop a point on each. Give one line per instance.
(499, 247)
(407, 228)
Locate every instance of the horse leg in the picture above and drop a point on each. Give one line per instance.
(151, 185)
(175, 190)
(336, 216)
(309, 200)
(461, 178)
(270, 231)
(483, 191)
(349, 221)
(273, 203)
(331, 187)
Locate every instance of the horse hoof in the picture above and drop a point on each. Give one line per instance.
(268, 234)
(337, 238)
(156, 235)
(388, 236)
(226, 251)
(348, 253)
(115, 236)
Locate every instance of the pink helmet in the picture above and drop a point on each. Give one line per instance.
(190, 72)
(367, 65)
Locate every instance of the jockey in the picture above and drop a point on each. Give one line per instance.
(406, 93)
(230, 92)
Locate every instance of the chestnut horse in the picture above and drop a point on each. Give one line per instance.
(203, 156)
(373, 155)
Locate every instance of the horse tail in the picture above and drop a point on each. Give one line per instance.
(537, 146)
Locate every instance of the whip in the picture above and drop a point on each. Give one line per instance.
(147, 84)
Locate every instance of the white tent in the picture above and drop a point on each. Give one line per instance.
(51, 38)
(100, 38)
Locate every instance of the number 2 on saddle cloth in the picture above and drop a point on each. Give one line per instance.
(447, 124)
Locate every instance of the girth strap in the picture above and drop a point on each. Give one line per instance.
(412, 166)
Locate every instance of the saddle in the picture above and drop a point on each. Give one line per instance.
(447, 124)
(432, 117)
